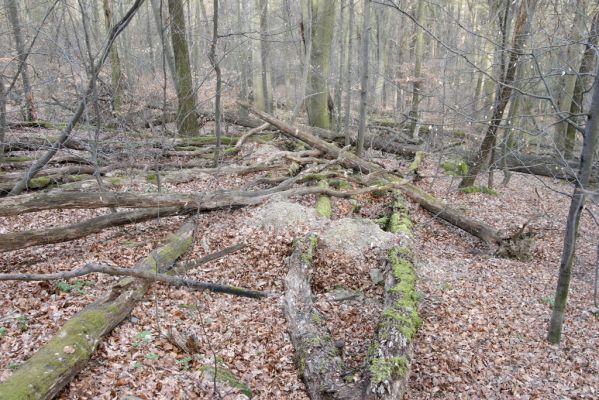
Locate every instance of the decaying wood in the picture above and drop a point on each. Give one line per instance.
(21, 240)
(53, 366)
(437, 207)
(169, 205)
(317, 358)
(50, 175)
(92, 268)
(251, 132)
(548, 166)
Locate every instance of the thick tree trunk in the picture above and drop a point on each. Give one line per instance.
(348, 77)
(2, 117)
(187, 117)
(581, 187)
(53, 366)
(167, 48)
(323, 22)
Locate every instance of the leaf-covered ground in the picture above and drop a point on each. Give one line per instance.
(484, 318)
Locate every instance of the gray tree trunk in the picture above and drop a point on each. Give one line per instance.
(364, 78)
(187, 116)
(581, 186)
(15, 21)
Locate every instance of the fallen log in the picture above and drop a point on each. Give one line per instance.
(52, 367)
(91, 268)
(437, 207)
(548, 166)
(316, 357)
(180, 204)
(49, 176)
(21, 240)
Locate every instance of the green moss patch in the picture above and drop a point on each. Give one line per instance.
(455, 167)
(38, 182)
(323, 203)
(479, 189)
(383, 369)
(15, 159)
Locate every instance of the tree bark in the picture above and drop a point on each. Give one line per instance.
(504, 92)
(318, 360)
(581, 186)
(417, 87)
(116, 74)
(364, 78)
(2, 117)
(21, 240)
(15, 21)
(348, 77)
(52, 367)
(580, 85)
(323, 22)
(187, 117)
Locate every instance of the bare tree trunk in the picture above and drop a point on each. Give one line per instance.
(187, 116)
(216, 66)
(323, 22)
(581, 186)
(243, 54)
(504, 91)
(264, 55)
(580, 85)
(116, 75)
(348, 77)
(166, 45)
(364, 78)
(13, 17)
(417, 87)
(2, 115)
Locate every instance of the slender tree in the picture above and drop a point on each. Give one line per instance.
(364, 77)
(581, 84)
(2, 115)
(504, 91)
(187, 116)
(216, 65)
(581, 187)
(15, 20)
(417, 86)
(350, 27)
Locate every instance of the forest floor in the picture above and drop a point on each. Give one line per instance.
(484, 318)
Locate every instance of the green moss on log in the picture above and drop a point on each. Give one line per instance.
(38, 182)
(15, 159)
(323, 203)
(74, 343)
(479, 189)
(383, 369)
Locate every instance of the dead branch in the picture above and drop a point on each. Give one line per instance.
(251, 132)
(91, 268)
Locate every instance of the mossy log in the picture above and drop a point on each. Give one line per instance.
(33, 143)
(49, 176)
(437, 207)
(317, 359)
(52, 367)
